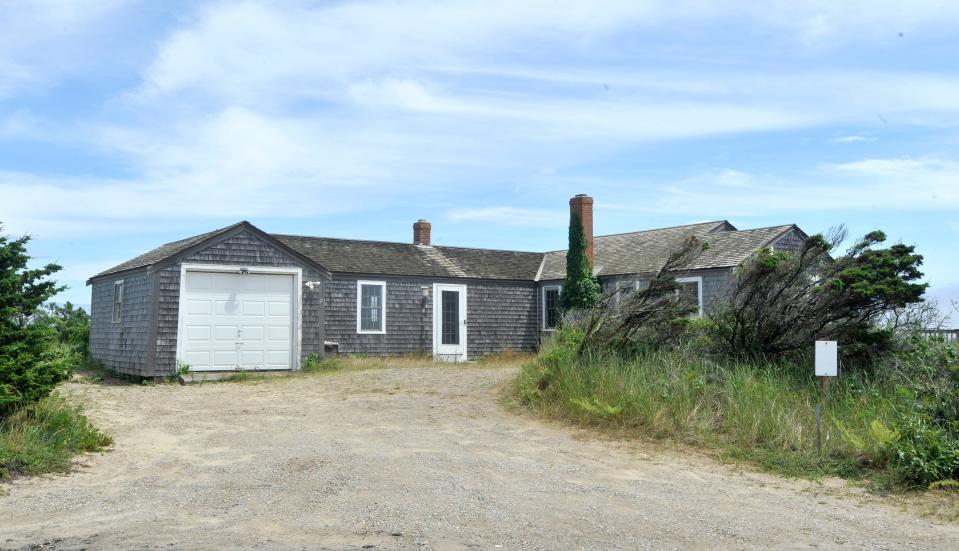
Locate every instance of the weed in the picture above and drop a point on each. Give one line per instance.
(44, 436)
(317, 364)
(749, 411)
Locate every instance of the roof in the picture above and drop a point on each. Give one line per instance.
(626, 253)
(647, 251)
(387, 258)
(160, 253)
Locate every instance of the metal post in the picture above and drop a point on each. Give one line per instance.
(823, 394)
(818, 431)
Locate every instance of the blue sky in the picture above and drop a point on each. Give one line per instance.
(124, 125)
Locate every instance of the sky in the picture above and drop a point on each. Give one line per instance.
(125, 125)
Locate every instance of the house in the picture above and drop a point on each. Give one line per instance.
(240, 298)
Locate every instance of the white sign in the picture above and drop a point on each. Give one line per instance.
(827, 359)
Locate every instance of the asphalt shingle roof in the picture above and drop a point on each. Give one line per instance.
(627, 253)
(646, 251)
(378, 257)
(160, 253)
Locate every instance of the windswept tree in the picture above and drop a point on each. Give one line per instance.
(651, 315)
(581, 289)
(29, 364)
(781, 302)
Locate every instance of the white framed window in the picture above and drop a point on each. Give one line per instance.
(551, 311)
(117, 301)
(691, 288)
(371, 307)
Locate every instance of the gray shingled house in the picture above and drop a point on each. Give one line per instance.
(240, 298)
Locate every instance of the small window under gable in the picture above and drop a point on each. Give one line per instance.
(117, 301)
(551, 310)
(371, 307)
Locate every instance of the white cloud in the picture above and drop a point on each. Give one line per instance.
(299, 108)
(853, 138)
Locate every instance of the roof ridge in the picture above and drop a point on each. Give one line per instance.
(665, 228)
(762, 228)
(380, 242)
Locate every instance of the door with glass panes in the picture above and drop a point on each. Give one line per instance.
(449, 322)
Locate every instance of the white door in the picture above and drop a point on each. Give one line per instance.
(232, 321)
(449, 322)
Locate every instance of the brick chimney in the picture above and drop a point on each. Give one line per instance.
(421, 232)
(582, 205)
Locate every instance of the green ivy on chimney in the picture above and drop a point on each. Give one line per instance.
(581, 289)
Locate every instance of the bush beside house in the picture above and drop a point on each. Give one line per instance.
(40, 346)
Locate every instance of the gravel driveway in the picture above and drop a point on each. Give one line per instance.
(411, 458)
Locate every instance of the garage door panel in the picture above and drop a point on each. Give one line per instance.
(225, 333)
(225, 358)
(277, 308)
(197, 359)
(234, 321)
(277, 283)
(198, 332)
(198, 307)
(278, 333)
(229, 307)
(252, 358)
(201, 281)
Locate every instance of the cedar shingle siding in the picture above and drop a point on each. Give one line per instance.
(500, 315)
(122, 346)
(503, 288)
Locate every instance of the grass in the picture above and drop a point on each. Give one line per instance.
(761, 414)
(45, 436)
(315, 365)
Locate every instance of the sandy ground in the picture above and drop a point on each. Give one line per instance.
(411, 458)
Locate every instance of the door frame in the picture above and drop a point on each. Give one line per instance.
(437, 318)
(296, 299)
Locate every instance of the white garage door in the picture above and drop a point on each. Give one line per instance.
(237, 321)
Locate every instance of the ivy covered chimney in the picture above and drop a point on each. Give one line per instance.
(421, 232)
(582, 206)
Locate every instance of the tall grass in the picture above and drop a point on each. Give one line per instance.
(44, 436)
(762, 413)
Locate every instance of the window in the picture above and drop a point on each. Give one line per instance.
(551, 307)
(371, 307)
(117, 300)
(691, 292)
(450, 321)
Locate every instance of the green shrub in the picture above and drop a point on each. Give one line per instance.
(315, 363)
(44, 436)
(30, 362)
(924, 453)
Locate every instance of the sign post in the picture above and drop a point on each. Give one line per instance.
(827, 365)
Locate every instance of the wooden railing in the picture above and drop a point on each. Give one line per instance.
(948, 335)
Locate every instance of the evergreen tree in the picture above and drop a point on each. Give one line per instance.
(581, 289)
(30, 365)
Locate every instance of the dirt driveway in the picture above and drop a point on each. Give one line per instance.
(410, 458)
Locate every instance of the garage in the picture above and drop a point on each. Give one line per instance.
(238, 319)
